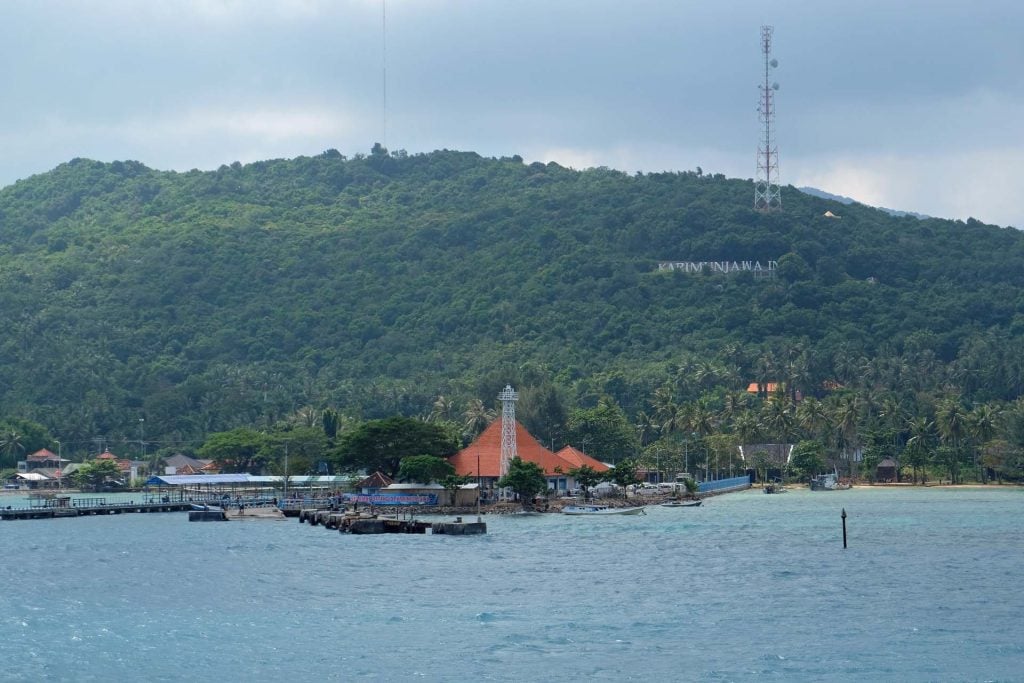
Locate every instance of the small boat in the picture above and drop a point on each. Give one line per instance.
(601, 510)
(205, 508)
(774, 487)
(828, 482)
(682, 504)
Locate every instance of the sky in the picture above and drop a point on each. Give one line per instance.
(908, 104)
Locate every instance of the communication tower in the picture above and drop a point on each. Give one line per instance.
(767, 196)
(508, 398)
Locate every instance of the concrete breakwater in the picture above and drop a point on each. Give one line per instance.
(360, 523)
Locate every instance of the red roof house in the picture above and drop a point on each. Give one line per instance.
(42, 455)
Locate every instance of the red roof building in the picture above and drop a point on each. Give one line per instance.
(42, 455)
(486, 451)
(578, 458)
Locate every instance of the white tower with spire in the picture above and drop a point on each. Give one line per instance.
(508, 398)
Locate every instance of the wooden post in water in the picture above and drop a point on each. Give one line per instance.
(844, 528)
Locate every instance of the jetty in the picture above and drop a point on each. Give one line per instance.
(82, 507)
(366, 522)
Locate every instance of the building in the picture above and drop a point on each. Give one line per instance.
(482, 459)
(767, 389)
(179, 463)
(887, 471)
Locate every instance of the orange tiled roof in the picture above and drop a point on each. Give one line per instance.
(578, 458)
(377, 480)
(770, 387)
(106, 455)
(42, 454)
(488, 448)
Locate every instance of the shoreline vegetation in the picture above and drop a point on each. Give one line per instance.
(848, 349)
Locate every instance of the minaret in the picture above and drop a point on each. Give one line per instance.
(508, 398)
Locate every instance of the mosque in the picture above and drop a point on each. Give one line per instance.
(487, 458)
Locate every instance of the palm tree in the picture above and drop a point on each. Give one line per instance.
(812, 418)
(12, 446)
(443, 409)
(476, 417)
(922, 438)
(777, 418)
(951, 421)
(645, 426)
(670, 415)
(747, 427)
(982, 425)
(846, 418)
(893, 416)
(765, 369)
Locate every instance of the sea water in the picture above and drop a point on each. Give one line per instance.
(746, 587)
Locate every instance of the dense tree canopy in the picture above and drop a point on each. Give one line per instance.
(525, 479)
(324, 292)
(383, 444)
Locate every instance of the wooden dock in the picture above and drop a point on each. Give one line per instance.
(51, 512)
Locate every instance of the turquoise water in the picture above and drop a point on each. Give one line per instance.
(747, 587)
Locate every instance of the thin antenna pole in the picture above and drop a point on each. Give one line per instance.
(384, 71)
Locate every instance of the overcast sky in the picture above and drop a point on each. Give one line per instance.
(908, 104)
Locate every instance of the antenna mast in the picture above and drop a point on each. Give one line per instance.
(384, 71)
(767, 196)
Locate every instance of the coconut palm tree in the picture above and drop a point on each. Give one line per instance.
(813, 419)
(646, 427)
(670, 415)
(982, 425)
(747, 427)
(443, 409)
(777, 417)
(951, 420)
(476, 417)
(920, 443)
(11, 446)
(893, 416)
(846, 419)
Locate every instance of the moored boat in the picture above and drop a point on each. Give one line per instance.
(828, 482)
(601, 510)
(682, 504)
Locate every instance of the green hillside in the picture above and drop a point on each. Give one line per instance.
(204, 301)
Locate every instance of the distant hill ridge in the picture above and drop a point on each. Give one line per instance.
(204, 300)
(815, 192)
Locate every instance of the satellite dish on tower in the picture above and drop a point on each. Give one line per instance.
(774, 63)
(775, 86)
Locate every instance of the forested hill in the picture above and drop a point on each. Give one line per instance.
(208, 300)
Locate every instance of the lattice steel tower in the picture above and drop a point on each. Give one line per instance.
(508, 398)
(767, 196)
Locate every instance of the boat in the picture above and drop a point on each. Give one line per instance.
(828, 482)
(774, 487)
(682, 504)
(601, 510)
